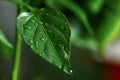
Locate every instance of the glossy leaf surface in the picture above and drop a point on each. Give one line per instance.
(47, 32)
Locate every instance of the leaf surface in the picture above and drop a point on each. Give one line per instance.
(47, 32)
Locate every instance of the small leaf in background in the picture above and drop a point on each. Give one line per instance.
(5, 46)
(108, 26)
(47, 32)
(94, 6)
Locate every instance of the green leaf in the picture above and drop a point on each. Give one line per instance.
(79, 12)
(108, 26)
(5, 46)
(94, 6)
(47, 32)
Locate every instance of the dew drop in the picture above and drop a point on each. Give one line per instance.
(65, 54)
(58, 13)
(28, 27)
(43, 39)
(33, 21)
(24, 14)
(71, 71)
(31, 41)
(36, 43)
(67, 69)
(41, 22)
(39, 54)
(23, 36)
(61, 46)
(59, 67)
(31, 46)
(65, 23)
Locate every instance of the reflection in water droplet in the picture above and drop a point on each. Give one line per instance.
(67, 69)
(31, 46)
(31, 41)
(71, 71)
(36, 44)
(65, 55)
(58, 13)
(24, 14)
(40, 54)
(59, 67)
(43, 39)
(28, 27)
(33, 21)
(23, 36)
(41, 22)
(61, 46)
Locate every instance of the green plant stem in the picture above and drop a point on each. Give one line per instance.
(22, 3)
(16, 66)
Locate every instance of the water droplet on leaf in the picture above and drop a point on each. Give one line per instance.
(31, 46)
(40, 54)
(36, 43)
(65, 23)
(41, 22)
(28, 27)
(23, 36)
(71, 71)
(31, 41)
(67, 69)
(58, 13)
(43, 39)
(59, 67)
(33, 21)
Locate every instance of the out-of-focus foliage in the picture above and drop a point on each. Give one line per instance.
(5, 46)
(99, 19)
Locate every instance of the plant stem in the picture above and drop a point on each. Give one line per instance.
(16, 65)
